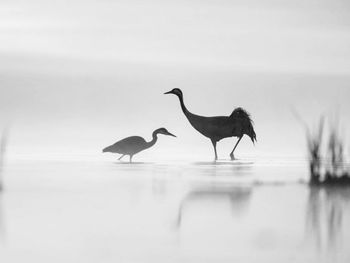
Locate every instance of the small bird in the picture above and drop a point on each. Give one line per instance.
(219, 127)
(135, 144)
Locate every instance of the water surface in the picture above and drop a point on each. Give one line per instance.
(246, 211)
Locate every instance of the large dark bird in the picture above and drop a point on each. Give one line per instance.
(219, 127)
(135, 144)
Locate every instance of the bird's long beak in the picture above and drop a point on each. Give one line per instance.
(169, 92)
(171, 134)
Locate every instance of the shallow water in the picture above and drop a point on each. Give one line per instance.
(246, 211)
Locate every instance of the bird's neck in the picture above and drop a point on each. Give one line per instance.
(154, 139)
(183, 107)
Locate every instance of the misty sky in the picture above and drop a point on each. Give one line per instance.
(78, 75)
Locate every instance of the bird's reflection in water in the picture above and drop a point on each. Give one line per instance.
(327, 215)
(238, 198)
(222, 168)
(128, 164)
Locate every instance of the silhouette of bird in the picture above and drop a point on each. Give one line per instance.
(219, 127)
(134, 144)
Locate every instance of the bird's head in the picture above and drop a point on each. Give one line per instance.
(164, 132)
(243, 117)
(175, 91)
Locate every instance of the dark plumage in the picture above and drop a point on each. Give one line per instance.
(219, 127)
(135, 144)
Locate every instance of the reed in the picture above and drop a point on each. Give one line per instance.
(327, 162)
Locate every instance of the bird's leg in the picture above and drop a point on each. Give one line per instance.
(121, 157)
(130, 160)
(214, 145)
(234, 148)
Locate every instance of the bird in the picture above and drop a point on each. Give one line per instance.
(216, 128)
(135, 144)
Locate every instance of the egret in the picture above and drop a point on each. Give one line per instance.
(135, 144)
(219, 127)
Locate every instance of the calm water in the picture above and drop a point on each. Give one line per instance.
(65, 211)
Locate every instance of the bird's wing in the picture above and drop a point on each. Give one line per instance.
(132, 140)
(129, 144)
(216, 127)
